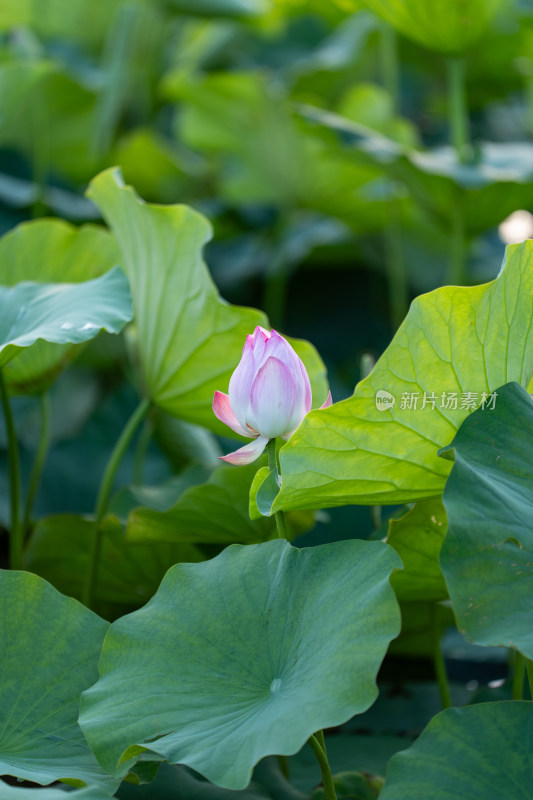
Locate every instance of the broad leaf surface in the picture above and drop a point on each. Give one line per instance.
(487, 556)
(449, 26)
(62, 313)
(50, 251)
(248, 655)
(417, 538)
(190, 340)
(50, 650)
(454, 340)
(128, 573)
(473, 753)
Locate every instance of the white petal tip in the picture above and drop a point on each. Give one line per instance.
(248, 453)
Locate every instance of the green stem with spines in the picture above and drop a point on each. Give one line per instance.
(318, 746)
(104, 494)
(273, 464)
(39, 461)
(16, 532)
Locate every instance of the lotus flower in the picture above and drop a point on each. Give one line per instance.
(269, 394)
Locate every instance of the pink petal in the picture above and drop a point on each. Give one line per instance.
(327, 402)
(223, 411)
(308, 398)
(240, 385)
(278, 347)
(248, 453)
(265, 334)
(273, 399)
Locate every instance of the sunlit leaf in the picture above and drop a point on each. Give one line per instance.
(379, 448)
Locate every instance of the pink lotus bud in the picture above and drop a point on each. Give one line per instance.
(269, 394)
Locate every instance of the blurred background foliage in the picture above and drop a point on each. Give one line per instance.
(350, 155)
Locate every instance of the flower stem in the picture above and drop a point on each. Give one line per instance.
(518, 676)
(38, 463)
(394, 261)
(458, 109)
(104, 493)
(458, 120)
(274, 465)
(15, 553)
(143, 444)
(318, 747)
(438, 661)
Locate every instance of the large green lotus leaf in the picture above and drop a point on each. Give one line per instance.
(244, 656)
(480, 752)
(453, 340)
(62, 313)
(487, 556)
(50, 251)
(189, 339)
(448, 26)
(214, 511)
(8, 792)
(50, 650)
(417, 538)
(128, 574)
